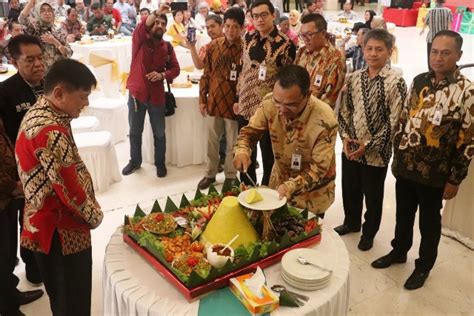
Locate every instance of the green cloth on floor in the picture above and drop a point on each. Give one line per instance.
(222, 302)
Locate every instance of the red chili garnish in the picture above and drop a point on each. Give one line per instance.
(310, 225)
(159, 217)
(192, 261)
(169, 257)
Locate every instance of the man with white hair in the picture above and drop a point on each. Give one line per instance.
(151, 5)
(203, 12)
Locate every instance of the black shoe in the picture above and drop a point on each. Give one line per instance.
(32, 275)
(129, 169)
(387, 260)
(365, 243)
(345, 229)
(161, 171)
(16, 312)
(205, 183)
(29, 296)
(416, 280)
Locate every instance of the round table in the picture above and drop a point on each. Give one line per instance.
(458, 220)
(120, 48)
(132, 287)
(11, 71)
(186, 132)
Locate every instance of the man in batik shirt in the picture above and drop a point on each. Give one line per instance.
(61, 207)
(325, 64)
(214, 29)
(434, 144)
(369, 112)
(303, 133)
(72, 26)
(217, 94)
(265, 51)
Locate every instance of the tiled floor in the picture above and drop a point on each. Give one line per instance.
(448, 291)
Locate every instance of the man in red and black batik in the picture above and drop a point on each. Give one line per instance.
(60, 205)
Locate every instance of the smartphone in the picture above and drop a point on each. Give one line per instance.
(179, 6)
(191, 36)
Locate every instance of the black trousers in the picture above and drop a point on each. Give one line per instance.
(31, 268)
(8, 247)
(410, 196)
(359, 181)
(267, 157)
(67, 279)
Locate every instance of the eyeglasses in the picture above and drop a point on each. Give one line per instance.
(262, 15)
(308, 35)
(46, 11)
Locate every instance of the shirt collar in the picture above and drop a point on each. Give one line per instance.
(59, 116)
(229, 44)
(450, 78)
(271, 37)
(382, 73)
(315, 53)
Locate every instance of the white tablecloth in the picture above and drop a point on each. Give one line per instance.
(132, 287)
(84, 124)
(458, 213)
(11, 71)
(186, 132)
(98, 154)
(113, 116)
(121, 49)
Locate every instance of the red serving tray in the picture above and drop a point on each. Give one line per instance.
(222, 281)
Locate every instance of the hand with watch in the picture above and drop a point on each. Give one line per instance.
(155, 76)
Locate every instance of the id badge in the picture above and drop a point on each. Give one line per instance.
(437, 117)
(262, 73)
(318, 80)
(233, 75)
(296, 161)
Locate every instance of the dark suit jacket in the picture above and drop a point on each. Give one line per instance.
(16, 98)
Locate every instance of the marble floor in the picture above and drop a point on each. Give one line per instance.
(448, 291)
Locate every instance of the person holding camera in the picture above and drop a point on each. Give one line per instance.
(153, 61)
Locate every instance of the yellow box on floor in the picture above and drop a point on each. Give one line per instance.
(256, 305)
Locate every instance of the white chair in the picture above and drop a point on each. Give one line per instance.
(98, 154)
(113, 116)
(106, 71)
(84, 124)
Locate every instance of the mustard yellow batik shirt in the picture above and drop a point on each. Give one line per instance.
(313, 136)
(327, 69)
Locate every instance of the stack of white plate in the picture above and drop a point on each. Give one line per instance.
(305, 277)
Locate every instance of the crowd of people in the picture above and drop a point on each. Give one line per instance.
(270, 80)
